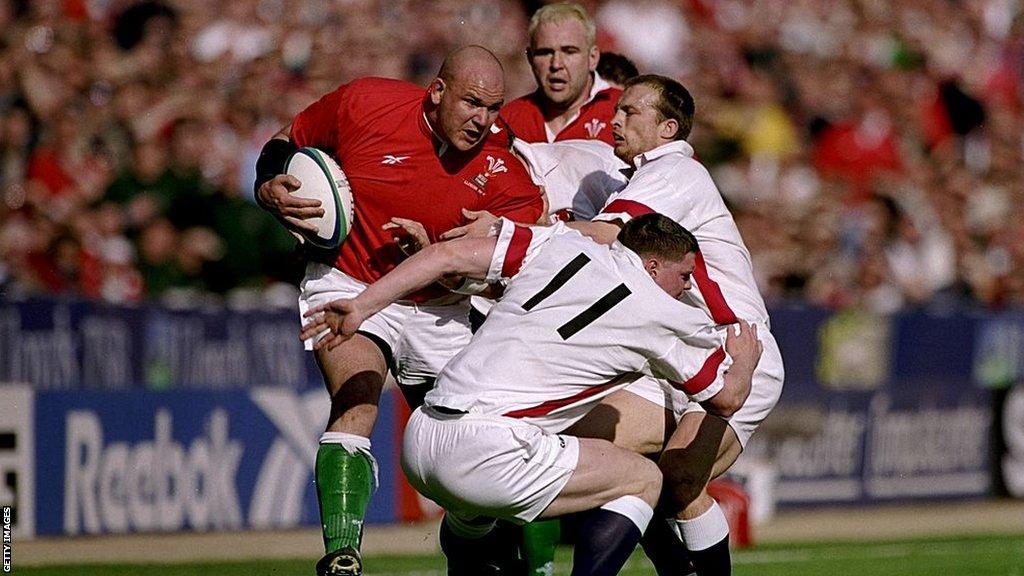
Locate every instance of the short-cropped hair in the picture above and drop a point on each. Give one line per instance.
(563, 11)
(659, 236)
(674, 101)
(616, 68)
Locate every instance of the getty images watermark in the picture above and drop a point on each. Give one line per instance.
(7, 538)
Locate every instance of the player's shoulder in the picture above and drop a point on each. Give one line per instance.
(527, 104)
(499, 138)
(378, 85)
(379, 102)
(556, 244)
(675, 160)
(542, 235)
(608, 94)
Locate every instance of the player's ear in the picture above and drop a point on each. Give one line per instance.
(593, 58)
(668, 129)
(652, 265)
(436, 90)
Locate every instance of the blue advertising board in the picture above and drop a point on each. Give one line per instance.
(114, 462)
(147, 419)
(72, 345)
(876, 409)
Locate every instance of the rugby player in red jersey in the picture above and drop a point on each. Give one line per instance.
(571, 101)
(410, 155)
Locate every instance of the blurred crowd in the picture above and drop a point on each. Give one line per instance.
(870, 150)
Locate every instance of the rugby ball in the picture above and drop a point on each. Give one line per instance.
(322, 179)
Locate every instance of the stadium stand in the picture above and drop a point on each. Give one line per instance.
(870, 150)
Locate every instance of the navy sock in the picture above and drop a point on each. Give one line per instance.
(665, 550)
(605, 541)
(713, 561)
(493, 554)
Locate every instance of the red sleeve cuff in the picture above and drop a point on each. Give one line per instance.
(516, 251)
(706, 375)
(631, 207)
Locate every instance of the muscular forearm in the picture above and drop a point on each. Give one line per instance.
(732, 395)
(600, 231)
(464, 256)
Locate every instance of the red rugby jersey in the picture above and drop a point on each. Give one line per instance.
(526, 118)
(376, 129)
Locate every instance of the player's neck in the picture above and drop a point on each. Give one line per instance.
(432, 122)
(558, 116)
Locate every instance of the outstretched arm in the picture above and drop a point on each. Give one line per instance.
(600, 231)
(341, 318)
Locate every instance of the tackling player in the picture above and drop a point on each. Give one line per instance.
(572, 102)
(563, 336)
(652, 120)
(409, 153)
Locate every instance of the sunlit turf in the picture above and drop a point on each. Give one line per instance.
(975, 555)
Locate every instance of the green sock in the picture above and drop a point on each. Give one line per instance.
(540, 539)
(344, 482)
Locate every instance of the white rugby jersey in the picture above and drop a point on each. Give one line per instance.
(669, 181)
(578, 321)
(578, 175)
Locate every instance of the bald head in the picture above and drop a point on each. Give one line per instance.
(472, 62)
(466, 96)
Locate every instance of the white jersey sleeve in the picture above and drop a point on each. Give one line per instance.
(578, 176)
(695, 364)
(516, 246)
(685, 194)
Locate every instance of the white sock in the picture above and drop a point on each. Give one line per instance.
(638, 511)
(705, 530)
(353, 443)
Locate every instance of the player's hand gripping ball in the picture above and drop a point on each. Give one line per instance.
(322, 179)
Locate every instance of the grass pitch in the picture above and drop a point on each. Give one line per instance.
(974, 555)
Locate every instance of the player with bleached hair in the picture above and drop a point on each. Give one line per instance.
(572, 102)
(577, 322)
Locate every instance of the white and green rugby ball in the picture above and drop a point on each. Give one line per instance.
(322, 179)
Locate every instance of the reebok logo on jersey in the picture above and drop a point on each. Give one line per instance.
(594, 127)
(391, 160)
(479, 182)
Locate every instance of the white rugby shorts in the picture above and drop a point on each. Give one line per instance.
(477, 465)
(765, 389)
(660, 393)
(421, 338)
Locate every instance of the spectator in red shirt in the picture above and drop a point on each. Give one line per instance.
(857, 150)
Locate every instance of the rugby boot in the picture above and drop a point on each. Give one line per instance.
(343, 562)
